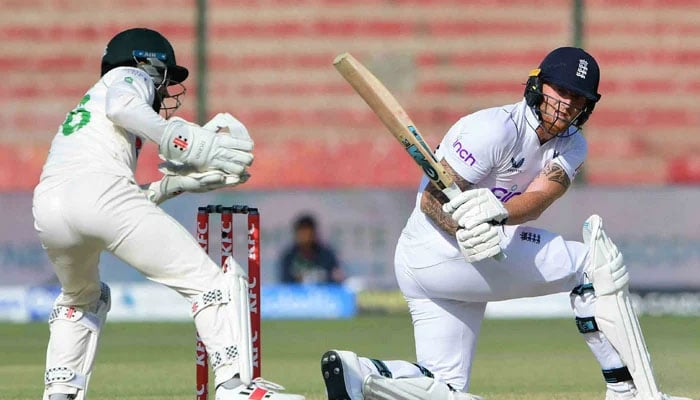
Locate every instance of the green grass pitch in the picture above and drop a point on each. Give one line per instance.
(516, 359)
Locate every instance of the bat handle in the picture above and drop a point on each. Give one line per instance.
(452, 191)
(500, 256)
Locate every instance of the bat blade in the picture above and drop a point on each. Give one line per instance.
(397, 121)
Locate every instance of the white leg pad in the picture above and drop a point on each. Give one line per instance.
(376, 387)
(70, 357)
(614, 314)
(223, 321)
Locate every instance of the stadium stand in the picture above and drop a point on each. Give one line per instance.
(270, 65)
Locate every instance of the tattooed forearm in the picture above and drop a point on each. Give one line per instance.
(433, 199)
(555, 173)
(432, 207)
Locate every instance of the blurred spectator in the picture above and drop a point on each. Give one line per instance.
(308, 260)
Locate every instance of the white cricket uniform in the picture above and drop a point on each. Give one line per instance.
(88, 201)
(495, 148)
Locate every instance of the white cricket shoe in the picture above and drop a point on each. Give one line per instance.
(342, 375)
(633, 395)
(259, 389)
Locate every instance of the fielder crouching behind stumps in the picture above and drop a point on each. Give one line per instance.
(512, 162)
(87, 201)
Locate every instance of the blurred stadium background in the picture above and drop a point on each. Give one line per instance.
(320, 149)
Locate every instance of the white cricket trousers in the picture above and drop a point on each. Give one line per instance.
(80, 216)
(447, 296)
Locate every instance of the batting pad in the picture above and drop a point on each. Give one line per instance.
(613, 308)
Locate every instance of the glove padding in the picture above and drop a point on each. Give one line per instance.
(474, 207)
(193, 181)
(479, 242)
(223, 123)
(185, 143)
(172, 185)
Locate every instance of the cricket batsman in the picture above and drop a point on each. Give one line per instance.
(511, 162)
(87, 202)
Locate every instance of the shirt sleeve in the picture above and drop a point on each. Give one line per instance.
(472, 146)
(129, 99)
(573, 155)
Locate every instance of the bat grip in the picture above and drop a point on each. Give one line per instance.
(453, 191)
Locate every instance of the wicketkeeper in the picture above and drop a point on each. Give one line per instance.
(88, 202)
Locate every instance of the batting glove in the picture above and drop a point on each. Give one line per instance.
(476, 206)
(479, 242)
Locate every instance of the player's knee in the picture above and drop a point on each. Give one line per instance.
(86, 294)
(91, 316)
(583, 303)
(213, 297)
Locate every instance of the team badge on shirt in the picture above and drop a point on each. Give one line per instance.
(516, 164)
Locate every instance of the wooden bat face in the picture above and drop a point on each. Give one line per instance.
(394, 117)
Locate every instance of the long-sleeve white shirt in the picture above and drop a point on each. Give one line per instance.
(104, 133)
(496, 148)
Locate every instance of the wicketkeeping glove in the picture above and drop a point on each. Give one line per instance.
(185, 143)
(173, 184)
(476, 206)
(479, 242)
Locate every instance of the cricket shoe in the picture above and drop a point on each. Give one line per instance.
(342, 375)
(633, 395)
(259, 389)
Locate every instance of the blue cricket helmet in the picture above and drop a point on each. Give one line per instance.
(571, 68)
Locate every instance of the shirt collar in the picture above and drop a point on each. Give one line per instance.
(532, 120)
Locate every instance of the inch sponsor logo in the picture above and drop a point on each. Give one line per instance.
(463, 153)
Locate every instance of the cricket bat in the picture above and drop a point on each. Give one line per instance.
(394, 117)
